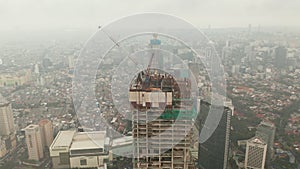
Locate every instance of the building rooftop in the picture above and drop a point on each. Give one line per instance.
(267, 124)
(31, 126)
(122, 141)
(88, 140)
(257, 141)
(43, 122)
(63, 139)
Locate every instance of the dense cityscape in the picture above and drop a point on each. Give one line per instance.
(192, 85)
(39, 119)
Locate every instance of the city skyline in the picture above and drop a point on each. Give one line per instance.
(150, 84)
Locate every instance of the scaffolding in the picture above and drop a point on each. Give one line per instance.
(162, 139)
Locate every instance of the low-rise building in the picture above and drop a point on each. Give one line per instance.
(88, 150)
(71, 149)
(60, 148)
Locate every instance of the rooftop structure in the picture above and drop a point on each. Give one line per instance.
(60, 149)
(63, 139)
(88, 140)
(71, 149)
(88, 150)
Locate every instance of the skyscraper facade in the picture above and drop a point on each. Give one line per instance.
(256, 151)
(7, 129)
(46, 132)
(6, 117)
(34, 142)
(162, 137)
(266, 131)
(280, 57)
(162, 117)
(213, 153)
(71, 149)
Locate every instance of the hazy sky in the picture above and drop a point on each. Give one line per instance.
(70, 14)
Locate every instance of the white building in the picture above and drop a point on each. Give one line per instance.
(60, 148)
(256, 152)
(34, 142)
(71, 149)
(88, 149)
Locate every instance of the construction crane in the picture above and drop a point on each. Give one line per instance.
(149, 64)
(116, 43)
(152, 56)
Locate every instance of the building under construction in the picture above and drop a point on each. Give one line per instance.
(162, 119)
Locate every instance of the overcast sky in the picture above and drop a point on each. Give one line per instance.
(73, 14)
